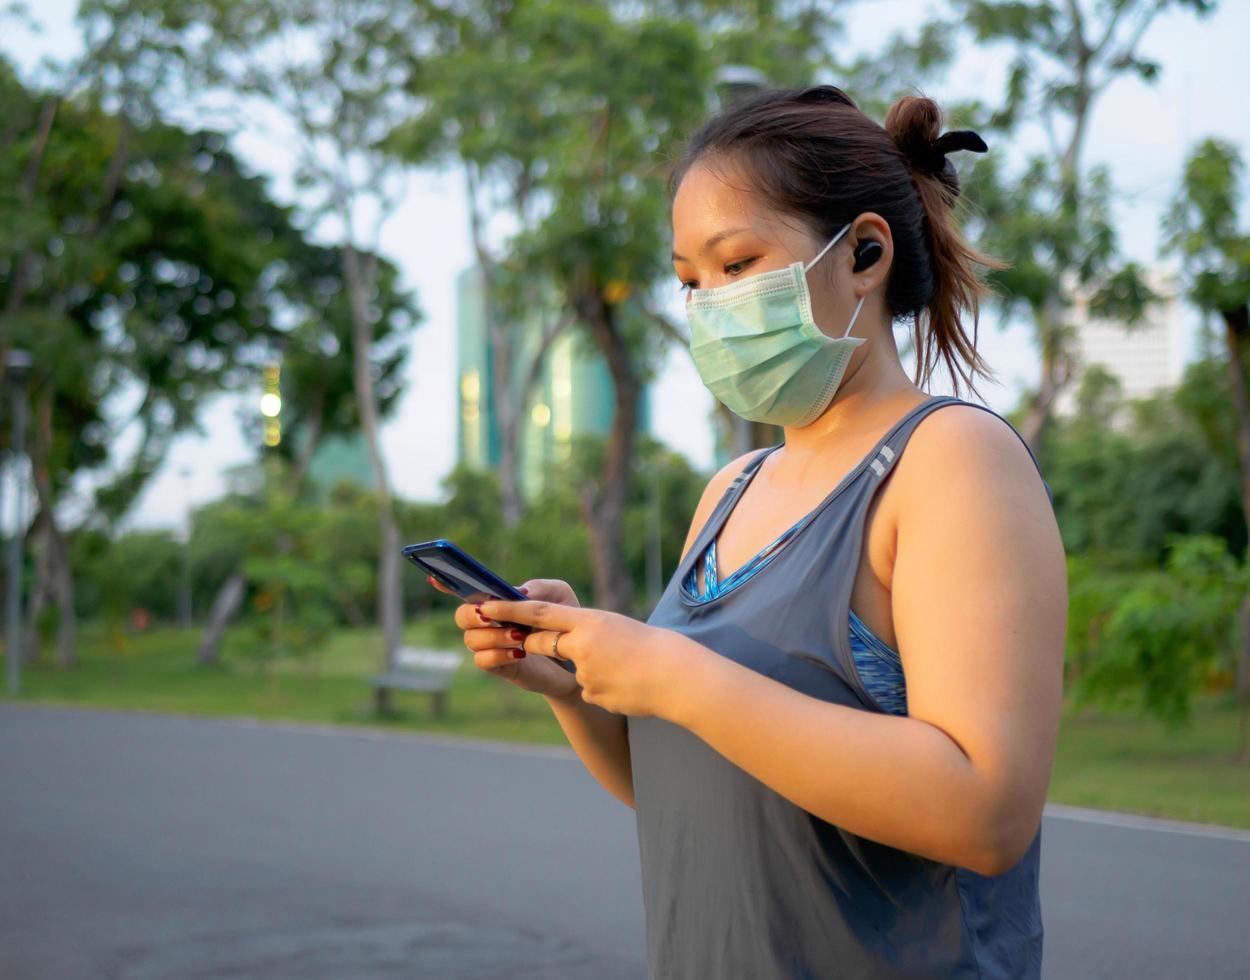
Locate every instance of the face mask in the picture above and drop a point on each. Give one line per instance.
(759, 351)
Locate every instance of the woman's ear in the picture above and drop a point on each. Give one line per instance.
(872, 252)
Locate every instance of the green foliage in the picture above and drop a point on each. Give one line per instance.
(140, 259)
(1049, 218)
(1202, 226)
(1170, 632)
(552, 539)
(136, 570)
(1126, 477)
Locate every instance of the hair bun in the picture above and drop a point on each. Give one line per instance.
(913, 123)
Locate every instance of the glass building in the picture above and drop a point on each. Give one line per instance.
(572, 395)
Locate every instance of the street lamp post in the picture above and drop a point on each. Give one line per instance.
(185, 604)
(17, 364)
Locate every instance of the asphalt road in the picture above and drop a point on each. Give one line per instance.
(142, 847)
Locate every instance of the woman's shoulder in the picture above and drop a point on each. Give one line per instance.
(971, 450)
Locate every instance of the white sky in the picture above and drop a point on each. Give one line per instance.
(1141, 132)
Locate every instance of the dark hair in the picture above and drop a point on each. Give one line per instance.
(813, 154)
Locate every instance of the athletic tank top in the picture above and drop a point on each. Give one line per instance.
(740, 883)
(880, 668)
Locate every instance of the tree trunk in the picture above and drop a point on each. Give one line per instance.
(507, 409)
(603, 500)
(1243, 685)
(40, 588)
(1037, 418)
(1056, 372)
(57, 567)
(223, 610)
(63, 587)
(1237, 337)
(359, 275)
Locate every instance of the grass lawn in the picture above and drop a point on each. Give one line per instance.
(1126, 762)
(1117, 762)
(157, 671)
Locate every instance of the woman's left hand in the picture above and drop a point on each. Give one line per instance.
(623, 666)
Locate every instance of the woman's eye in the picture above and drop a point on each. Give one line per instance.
(688, 285)
(733, 268)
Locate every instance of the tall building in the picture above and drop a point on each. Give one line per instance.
(341, 459)
(572, 395)
(1146, 357)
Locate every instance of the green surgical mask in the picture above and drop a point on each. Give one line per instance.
(759, 351)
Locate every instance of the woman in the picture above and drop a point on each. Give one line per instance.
(838, 724)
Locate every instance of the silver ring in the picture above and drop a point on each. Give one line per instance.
(555, 644)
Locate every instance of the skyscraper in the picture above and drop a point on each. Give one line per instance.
(572, 394)
(1146, 357)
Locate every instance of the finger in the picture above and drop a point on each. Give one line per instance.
(544, 615)
(490, 637)
(467, 616)
(543, 643)
(496, 657)
(550, 590)
(438, 585)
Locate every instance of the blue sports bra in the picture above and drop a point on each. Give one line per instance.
(880, 668)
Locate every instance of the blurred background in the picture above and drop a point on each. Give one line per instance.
(287, 285)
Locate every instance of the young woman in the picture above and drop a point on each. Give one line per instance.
(838, 724)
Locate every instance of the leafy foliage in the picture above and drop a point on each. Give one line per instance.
(1171, 631)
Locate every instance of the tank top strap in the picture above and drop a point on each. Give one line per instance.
(728, 499)
(891, 446)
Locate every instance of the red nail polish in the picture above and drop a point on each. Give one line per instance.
(518, 654)
(517, 635)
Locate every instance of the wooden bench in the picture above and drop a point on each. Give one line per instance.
(417, 670)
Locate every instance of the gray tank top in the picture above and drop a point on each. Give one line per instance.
(739, 882)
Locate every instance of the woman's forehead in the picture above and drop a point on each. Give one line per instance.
(709, 200)
(712, 199)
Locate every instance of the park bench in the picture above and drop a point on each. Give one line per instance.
(417, 670)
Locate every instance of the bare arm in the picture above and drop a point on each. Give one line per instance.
(598, 736)
(600, 740)
(979, 601)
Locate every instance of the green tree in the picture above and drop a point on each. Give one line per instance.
(1170, 631)
(1202, 226)
(139, 258)
(566, 112)
(317, 357)
(1052, 221)
(1129, 476)
(326, 70)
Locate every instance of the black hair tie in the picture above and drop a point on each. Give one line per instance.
(959, 139)
(933, 157)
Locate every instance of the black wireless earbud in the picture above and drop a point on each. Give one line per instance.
(866, 253)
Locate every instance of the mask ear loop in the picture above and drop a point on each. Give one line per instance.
(832, 242)
(820, 255)
(855, 316)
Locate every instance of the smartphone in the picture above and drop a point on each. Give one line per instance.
(467, 577)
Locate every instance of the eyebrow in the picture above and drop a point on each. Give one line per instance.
(716, 239)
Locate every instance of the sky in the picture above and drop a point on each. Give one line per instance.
(1141, 132)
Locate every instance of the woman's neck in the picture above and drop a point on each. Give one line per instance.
(868, 395)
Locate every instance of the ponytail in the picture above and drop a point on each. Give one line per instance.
(913, 123)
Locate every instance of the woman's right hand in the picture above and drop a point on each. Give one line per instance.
(494, 647)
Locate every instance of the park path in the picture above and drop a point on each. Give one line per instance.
(149, 847)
